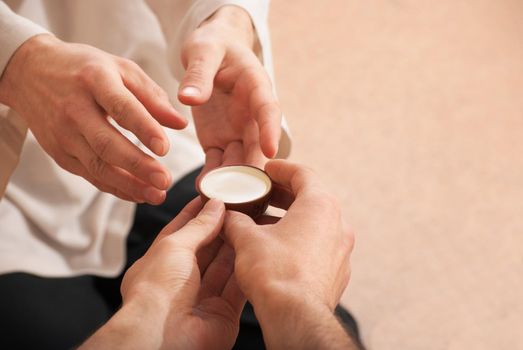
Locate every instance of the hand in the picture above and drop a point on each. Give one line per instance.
(303, 257)
(65, 92)
(294, 270)
(187, 277)
(236, 114)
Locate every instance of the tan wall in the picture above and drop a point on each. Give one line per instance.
(413, 112)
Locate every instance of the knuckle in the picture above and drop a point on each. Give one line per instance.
(204, 221)
(119, 107)
(102, 144)
(128, 64)
(89, 73)
(97, 167)
(256, 73)
(195, 71)
(199, 222)
(134, 164)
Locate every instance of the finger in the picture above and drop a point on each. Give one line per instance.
(77, 168)
(188, 212)
(206, 254)
(105, 173)
(267, 113)
(202, 59)
(238, 229)
(253, 153)
(291, 175)
(233, 154)
(112, 95)
(264, 108)
(203, 228)
(115, 149)
(218, 273)
(233, 295)
(213, 159)
(152, 96)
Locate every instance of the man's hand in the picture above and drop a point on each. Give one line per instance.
(306, 253)
(182, 293)
(236, 114)
(66, 92)
(294, 270)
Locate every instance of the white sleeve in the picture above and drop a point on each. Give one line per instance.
(179, 19)
(14, 31)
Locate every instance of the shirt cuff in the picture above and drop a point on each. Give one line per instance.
(14, 31)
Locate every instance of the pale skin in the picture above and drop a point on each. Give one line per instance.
(188, 291)
(66, 92)
(236, 113)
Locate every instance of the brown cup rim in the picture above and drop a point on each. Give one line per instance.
(198, 188)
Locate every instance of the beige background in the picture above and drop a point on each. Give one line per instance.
(412, 111)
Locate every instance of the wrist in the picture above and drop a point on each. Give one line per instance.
(15, 70)
(277, 295)
(139, 323)
(268, 305)
(236, 22)
(286, 321)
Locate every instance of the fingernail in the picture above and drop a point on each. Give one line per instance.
(190, 91)
(159, 180)
(153, 195)
(158, 146)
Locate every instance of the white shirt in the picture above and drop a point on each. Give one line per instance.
(53, 223)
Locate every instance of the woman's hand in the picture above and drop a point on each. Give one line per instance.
(235, 111)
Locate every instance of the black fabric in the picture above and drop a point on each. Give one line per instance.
(60, 313)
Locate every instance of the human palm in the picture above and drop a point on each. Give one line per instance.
(227, 128)
(236, 114)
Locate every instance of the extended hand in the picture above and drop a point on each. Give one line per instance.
(65, 92)
(236, 114)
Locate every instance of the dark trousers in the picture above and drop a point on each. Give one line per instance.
(60, 313)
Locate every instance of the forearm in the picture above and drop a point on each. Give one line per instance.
(301, 324)
(138, 325)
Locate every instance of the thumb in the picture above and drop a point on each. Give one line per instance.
(237, 229)
(202, 229)
(203, 61)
